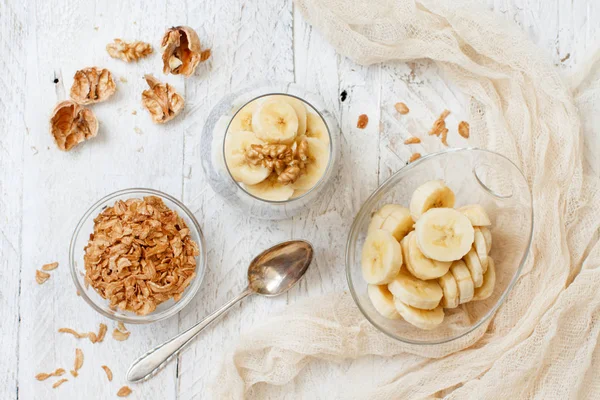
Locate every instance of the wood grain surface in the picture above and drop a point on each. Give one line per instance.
(45, 191)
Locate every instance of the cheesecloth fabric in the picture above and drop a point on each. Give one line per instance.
(543, 342)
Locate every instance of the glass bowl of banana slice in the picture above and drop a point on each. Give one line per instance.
(269, 150)
(436, 249)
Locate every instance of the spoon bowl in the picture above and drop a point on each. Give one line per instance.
(276, 270)
(271, 273)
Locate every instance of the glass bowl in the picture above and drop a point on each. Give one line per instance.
(80, 238)
(213, 158)
(475, 176)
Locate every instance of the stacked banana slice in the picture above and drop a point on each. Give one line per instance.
(283, 171)
(421, 260)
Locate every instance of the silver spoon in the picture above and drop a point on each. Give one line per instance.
(271, 273)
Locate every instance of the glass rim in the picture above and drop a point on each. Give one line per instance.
(329, 161)
(188, 294)
(362, 213)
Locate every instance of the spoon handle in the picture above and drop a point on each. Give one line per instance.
(155, 359)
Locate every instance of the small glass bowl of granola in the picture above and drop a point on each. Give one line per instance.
(137, 256)
(270, 150)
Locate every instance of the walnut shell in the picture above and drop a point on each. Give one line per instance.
(71, 124)
(92, 85)
(161, 100)
(182, 51)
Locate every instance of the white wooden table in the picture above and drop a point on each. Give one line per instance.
(44, 191)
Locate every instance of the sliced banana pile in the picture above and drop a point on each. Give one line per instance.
(276, 148)
(420, 260)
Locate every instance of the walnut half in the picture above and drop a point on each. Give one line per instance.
(128, 51)
(161, 100)
(92, 85)
(182, 51)
(71, 124)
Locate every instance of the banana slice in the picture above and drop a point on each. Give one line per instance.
(450, 288)
(476, 215)
(444, 234)
(423, 319)
(242, 121)
(415, 292)
(271, 189)
(461, 274)
(489, 281)
(318, 160)
(236, 144)
(481, 249)
(316, 128)
(487, 235)
(421, 266)
(381, 257)
(383, 301)
(299, 108)
(474, 266)
(378, 218)
(432, 194)
(275, 121)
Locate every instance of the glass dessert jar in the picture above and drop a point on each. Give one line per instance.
(270, 150)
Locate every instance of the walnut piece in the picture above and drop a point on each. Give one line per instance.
(288, 162)
(71, 124)
(464, 129)
(92, 85)
(161, 100)
(128, 51)
(139, 255)
(363, 120)
(401, 108)
(182, 51)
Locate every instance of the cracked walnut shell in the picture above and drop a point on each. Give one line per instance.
(92, 85)
(71, 124)
(128, 52)
(161, 100)
(182, 51)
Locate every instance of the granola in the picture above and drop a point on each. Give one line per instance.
(440, 124)
(363, 120)
(50, 267)
(58, 383)
(124, 391)
(108, 372)
(414, 157)
(464, 129)
(140, 255)
(401, 108)
(412, 140)
(41, 277)
(42, 376)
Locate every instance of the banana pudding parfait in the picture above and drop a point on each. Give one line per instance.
(277, 147)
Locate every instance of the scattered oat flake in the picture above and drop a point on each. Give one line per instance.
(363, 120)
(78, 359)
(50, 267)
(59, 382)
(412, 140)
(445, 137)
(120, 336)
(124, 391)
(401, 108)
(414, 157)
(440, 124)
(43, 376)
(464, 129)
(73, 332)
(41, 277)
(123, 79)
(108, 373)
(102, 332)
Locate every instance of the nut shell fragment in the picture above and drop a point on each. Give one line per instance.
(72, 124)
(128, 51)
(92, 85)
(182, 51)
(161, 100)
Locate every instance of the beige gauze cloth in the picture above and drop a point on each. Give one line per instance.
(543, 342)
